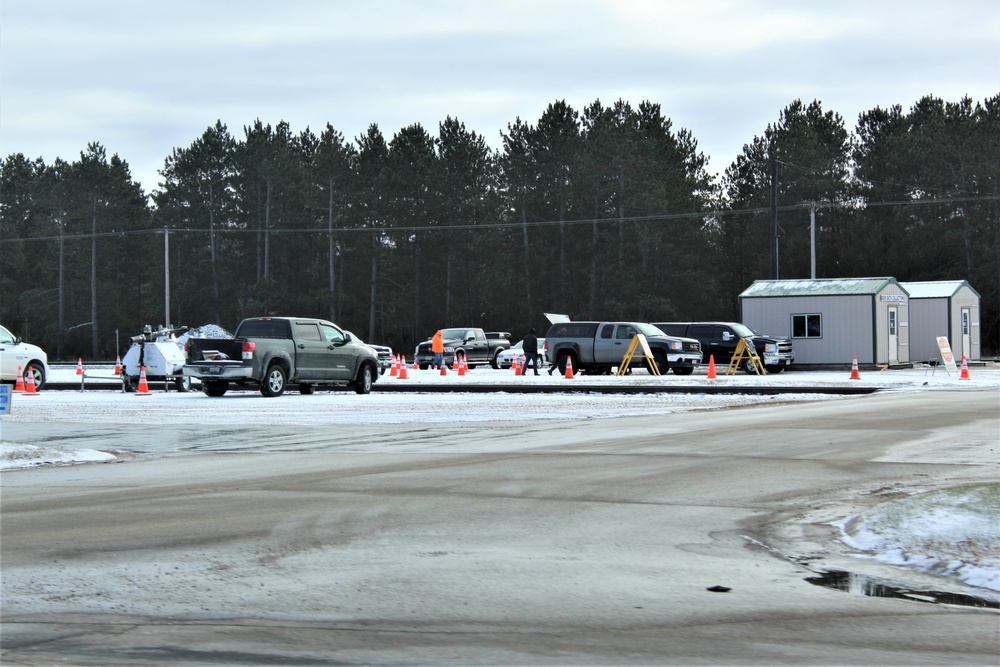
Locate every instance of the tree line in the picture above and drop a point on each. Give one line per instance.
(604, 212)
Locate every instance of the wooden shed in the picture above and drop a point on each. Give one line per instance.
(943, 308)
(832, 320)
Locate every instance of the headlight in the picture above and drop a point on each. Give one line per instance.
(676, 345)
(771, 347)
(449, 348)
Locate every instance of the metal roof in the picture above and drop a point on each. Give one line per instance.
(934, 289)
(818, 287)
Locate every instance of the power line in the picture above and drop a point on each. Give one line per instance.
(660, 217)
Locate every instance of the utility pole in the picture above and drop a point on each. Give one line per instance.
(774, 215)
(812, 241)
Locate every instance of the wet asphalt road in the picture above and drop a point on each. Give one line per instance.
(555, 542)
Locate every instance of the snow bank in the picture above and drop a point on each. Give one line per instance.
(949, 532)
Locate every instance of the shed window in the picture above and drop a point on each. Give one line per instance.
(807, 326)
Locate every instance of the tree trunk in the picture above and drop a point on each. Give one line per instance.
(332, 287)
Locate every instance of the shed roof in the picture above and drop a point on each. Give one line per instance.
(818, 287)
(935, 289)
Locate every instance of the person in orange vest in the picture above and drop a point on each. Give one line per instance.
(437, 347)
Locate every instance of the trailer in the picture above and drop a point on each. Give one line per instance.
(162, 356)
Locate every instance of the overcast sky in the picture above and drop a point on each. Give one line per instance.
(143, 78)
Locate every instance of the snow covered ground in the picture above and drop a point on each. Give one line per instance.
(952, 532)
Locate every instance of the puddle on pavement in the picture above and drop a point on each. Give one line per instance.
(859, 584)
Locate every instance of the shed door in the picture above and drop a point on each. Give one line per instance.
(893, 335)
(966, 334)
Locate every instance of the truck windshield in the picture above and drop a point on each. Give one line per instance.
(743, 331)
(649, 330)
(453, 334)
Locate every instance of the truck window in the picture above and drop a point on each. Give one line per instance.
(607, 330)
(307, 331)
(263, 329)
(702, 331)
(625, 332)
(331, 335)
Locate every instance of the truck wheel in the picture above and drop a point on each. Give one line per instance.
(683, 370)
(366, 377)
(662, 364)
(274, 381)
(495, 361)
(561, 363)
(305, 389)
(748, 367)
(183, 383)
(38, 373)
(128, 384)
(424, 367)
(214, 388)
(775, 368)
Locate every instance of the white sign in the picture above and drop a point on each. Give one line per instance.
(892, 297)
(946, 356)
(4, 399)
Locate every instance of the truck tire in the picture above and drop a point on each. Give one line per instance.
(495, 361)
(274, 381)
(305, 389)
(215, 388)
(774, 368)
(561, 362)
(183, 383)
(683, 370)
(748, 366)
(128, 384)
(662, 364)
(37, 372)
(365, 380)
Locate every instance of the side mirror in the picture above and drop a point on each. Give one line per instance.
(726, 336)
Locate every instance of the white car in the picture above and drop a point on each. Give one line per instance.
(506, 358)
(16, 353)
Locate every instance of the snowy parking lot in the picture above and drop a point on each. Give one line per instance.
(422, 515)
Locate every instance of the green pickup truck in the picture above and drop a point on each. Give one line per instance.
(269, 353)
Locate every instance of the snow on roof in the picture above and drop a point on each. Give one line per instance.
(933, 289)
(817, 287)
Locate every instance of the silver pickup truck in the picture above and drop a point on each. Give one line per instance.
(600, 347)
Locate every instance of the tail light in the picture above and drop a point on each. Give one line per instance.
(248, 348)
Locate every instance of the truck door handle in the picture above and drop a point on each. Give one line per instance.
(301, 346)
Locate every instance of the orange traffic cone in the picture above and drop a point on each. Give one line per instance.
(415, 365)
(461, 367)
(29, 384)
(444, 369)
(855, 374)
(394, 368)
(118, 365)
(79, 366)
(569, 368)
(518, 364)
(465, 365)
(143, 389)
(402, 372)
(711, 367)
(19, 382)
(965, 369)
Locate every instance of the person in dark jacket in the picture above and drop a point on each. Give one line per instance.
(530, 348)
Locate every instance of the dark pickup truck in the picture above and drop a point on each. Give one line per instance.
(600, 347)
(267, 353)
(475, 345)
(719, 339)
